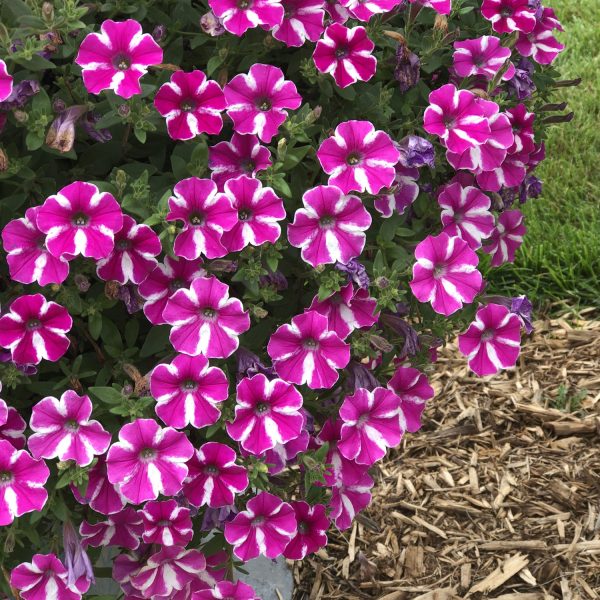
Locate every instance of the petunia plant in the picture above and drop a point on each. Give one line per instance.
(234, 234)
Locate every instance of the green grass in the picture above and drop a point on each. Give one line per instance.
(560, 258)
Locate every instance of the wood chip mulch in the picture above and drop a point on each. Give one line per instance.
(498, 495)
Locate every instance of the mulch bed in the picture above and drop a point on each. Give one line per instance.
(498, 496)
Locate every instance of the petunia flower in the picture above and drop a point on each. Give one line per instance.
(371, 425)
(6, 82)
(347, 310)
(540, 43)
(35, 329)
(404, 191)
(100, 493)
(312, 530)
(506, 238)
(243, 155)
(22, 480)
(521, 122)
(63, 429)
(164, 281)
(205, 319)
(188, 391)
(258, 210)
(348, 499)
(363, 10)
(413, 389)
(132, 257)
(359, 158)
(443, 7)
(214, 478)
(336, 13)
(265, 527)
(45, 578)
(509, 174)
(508, 16)
(191, 105)
(12, 427)
(28, 258)
(456, 118)
(267, 413)
(445, 273)
(466, 214)
(205, 216)
(80, 219)
(493, 340)
(227, 590)
(330, 228)
(238, 17)
(117, 57)
(346, 54)
(307, 352)
(257, 101)
(148, 460)
(281, 455)
(484, 56)
(302, 20)
(123, 529)
(166, 523)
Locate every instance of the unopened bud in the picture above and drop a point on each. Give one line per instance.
(159, 33)
(58, 105)
(21, 116)
(441, 24)
(124, 110)
(382, 283)
(48, 11)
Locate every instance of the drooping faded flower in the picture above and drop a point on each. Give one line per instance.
(122, 529)
(35, 329)
(238, 17)
(359, 158)
(312, 530)
(257, 101)
(483, 56)
(413, 389)
(63, 429)
(506, 238)
(191, 105)
(330, 228)
(117, 57)
(166, 523)
(77, 561)
(493, 340)
(346, 54)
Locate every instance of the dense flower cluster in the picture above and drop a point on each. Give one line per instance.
(234, 250)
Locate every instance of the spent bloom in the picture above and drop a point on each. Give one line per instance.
(416, 152)
(77, 560)
(238, 17)
(166, 523)
(117, 57)
(506, 238)
(302, 20)
(483, 56)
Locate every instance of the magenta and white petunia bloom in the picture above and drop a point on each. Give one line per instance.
(445, 273)
(312, 530)
(371, 425)
(166, 523)
(238, 17)
(164, 281)
(347, 310)
(132, 258)
(404, 191)
(63, 429)
(493, 340)
(214, 478)
(330, 228)
(258, 210)
(80, 219)
(167, 571)
(22, 480)
(483, 57)
(188, 391)
(307, 352)
(191, 105)
(359, 158)
(506, 238)
(541, 44)
(363, 10)
(265, 527)
(12, 428)
(243, 155)
(257, 101)
(28, 258)
(148, 460)
(46, 578)
(509, 174)
(346, 54)
(348, 499)
(413, 389)
(466, 214)
(6, 82)
(521, 121)
(205, 319)
(508, 16)
(117, 57)
(123, 529)
(443, 7)
(35, 329)
(227, 590)
(456, 118)
(205, 215)
(302, 20)
(267, 413)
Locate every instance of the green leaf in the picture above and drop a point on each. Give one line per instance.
(214, 62)
(107, 395)
(156, 341)
(140, 134)
(95, 324)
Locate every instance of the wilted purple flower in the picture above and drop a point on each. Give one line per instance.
(249, 364)
(20, 94)
(360, 376)
(521, 85)
(408, 68)
(537, 6)
(216, 517)
(82, 283)
(507, 198)
(411, 345)
(76, 559)
(88, 124)
(356, 272)
(416, 152)
(159, 33)
(276, 279)
(129, 294)
(530, 188)
(61, 135)
(211, 24)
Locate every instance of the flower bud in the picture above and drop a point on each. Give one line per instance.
(124, 110)
(211, 24)
(48, 12)
(159, 33)
(58, 105)
(21, 116)
(82, 283)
